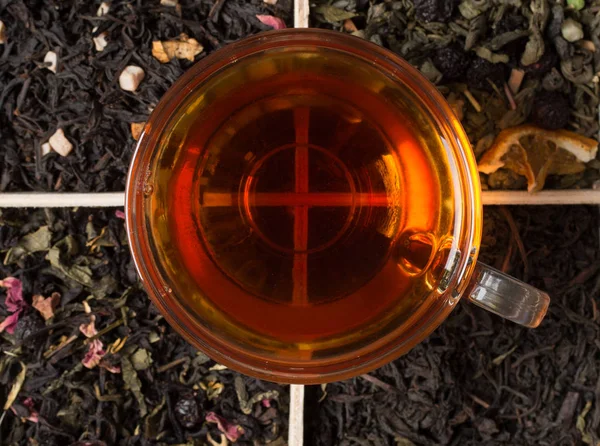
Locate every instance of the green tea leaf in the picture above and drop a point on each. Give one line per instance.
(78, 273)
(141, 359)
(34, 242)
(429, 70)
(470, 9)
(151, 426)
(134, 384)
(580, 423)
(334, 15)
(488, 55)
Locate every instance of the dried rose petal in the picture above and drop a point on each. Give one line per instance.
(231, 431)
(94, 354)
(89, 329)
(46, 305)
(14, 294)
(120, 214)
(33, 414)
(273, 22)
(10, 323)
(266, 402)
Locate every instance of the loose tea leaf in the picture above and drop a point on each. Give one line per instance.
(133, 384)
(75, 383)
(83, 100)
(34, 242)
(515, 53)
(331, 14)
(451, 392)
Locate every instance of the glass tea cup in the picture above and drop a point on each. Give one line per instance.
(303, 206)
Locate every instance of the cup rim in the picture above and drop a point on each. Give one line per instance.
(419, 325)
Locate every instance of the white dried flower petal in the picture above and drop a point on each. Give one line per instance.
(52, 59)
(270, 2)
(60, 144)
(130, 78)
(100, 41)
(171, 3)
(46, 148)
(103, 9)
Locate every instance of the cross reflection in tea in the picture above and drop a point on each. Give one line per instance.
(304, 199)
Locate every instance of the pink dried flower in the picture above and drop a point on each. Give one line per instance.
(273, 22)
(94, 354)
(10, 323)
(14, 303)
(14, 294)
(33, 414)
(89, 329)
(120, 214)
(231, 431)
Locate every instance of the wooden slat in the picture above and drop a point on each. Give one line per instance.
(301, 10)
(548, 197)
(117, 199)
(296, 424)
(57, 199)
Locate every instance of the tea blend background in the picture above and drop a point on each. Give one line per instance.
(83, 97)
(479, 379)
(87, 360)
(499, 63)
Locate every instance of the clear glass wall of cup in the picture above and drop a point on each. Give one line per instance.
(303, 206)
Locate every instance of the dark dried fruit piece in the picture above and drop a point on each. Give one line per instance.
(508, 23)
(433, 10)
(544, 65)
(187, 411)
(481, 72)
(28, 325)
(451, 61)
(550, 110)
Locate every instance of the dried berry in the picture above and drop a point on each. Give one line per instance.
(544, 65)
(550, 110)
(481, 72)
(451, 61)
(28, 325)
(187, 412)
(434, 10)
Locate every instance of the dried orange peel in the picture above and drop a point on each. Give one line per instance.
(536, 153)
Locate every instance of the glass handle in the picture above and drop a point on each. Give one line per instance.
(506, 296)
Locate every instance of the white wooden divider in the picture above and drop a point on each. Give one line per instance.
(117, 199)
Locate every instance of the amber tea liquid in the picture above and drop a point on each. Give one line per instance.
(302, 202)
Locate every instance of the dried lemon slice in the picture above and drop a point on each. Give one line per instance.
(536, 153)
